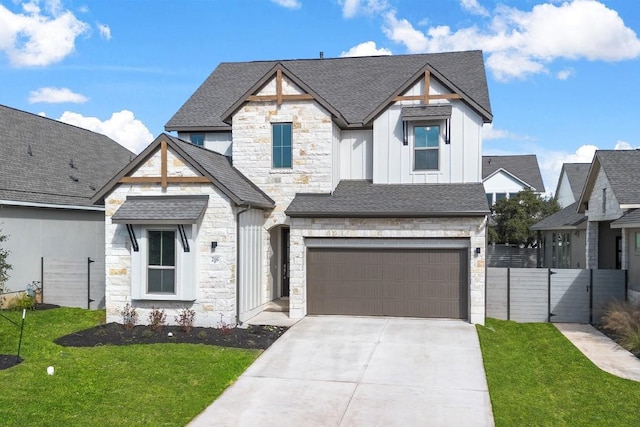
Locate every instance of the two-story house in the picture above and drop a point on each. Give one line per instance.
(504, 176)
(347, 185)
(562, 235)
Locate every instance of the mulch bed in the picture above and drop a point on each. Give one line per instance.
(9, 360)
(251, 337)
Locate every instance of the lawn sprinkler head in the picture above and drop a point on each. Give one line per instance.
(50, 370)
(170, 334)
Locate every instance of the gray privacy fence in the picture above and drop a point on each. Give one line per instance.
(552, 295)
(511, 256)
(73, 282)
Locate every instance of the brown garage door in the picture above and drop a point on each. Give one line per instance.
(387, 282)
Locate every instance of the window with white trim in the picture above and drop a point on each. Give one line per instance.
(164, 267)
(161, 261)
(426, 148)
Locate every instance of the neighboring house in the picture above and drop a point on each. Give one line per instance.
(610, 200)
(49, 172)
(504, 176)
(562, 234)
(349, 186)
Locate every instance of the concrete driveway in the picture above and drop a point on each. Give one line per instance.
(361, 371)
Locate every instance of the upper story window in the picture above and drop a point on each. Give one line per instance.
(281, 145)
(197, 139)
(426, 148)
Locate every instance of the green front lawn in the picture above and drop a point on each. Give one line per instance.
(538, 378)
(158, 385)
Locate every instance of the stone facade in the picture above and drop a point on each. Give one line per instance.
(473, 229)
(215, 271)
(312, 133)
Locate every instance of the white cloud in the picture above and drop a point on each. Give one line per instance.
(489, 133)
(472, 6)
(519, 43)
(623, 145)
(105, 31)
(289, 4)
(351, 8)
(55, 95)
(401, 31)
(122, 127)
(564, 74)
(37, 38)
(366, 49)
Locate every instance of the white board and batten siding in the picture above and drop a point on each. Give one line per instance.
(220, 142)
(459, 161)
(249, 273)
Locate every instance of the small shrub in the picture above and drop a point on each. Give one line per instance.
(157, 319)
(225, 328)
(22, 302)
(623, 319)
(129, 316)
(185, 319)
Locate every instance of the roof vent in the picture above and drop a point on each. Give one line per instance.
(321, 55)
(71, 164)
(29, 150)
(74, 178)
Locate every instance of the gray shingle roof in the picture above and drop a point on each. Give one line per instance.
(421, 111)
(524, 167)
(66, 166)
(161, 210)
(364, 199)
(622, 168)
(577, 176)
(629, 219)
(354, 87)
(565, 219)
(214, 166)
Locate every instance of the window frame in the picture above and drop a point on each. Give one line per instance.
(161, 267)
(281, 146)
(415, 149)
(194, 136)
(186, 274)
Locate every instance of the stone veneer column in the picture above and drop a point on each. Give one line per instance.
(591, 250)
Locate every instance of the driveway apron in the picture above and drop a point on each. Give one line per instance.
(361, 371)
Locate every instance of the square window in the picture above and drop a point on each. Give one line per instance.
(426, 147)
(197, 139)
(281, 145)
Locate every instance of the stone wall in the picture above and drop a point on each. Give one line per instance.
(311, 172)
(215, 275)
(472, 228)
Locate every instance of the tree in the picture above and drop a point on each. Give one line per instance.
(4, 265)
(514, 216)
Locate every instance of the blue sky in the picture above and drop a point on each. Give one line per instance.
(564, 76)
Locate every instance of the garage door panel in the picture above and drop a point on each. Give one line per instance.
(392, 282)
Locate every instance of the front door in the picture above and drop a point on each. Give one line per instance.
(285, 262)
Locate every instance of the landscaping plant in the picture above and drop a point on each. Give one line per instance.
(185, 319)
(623, 320)
(129, 316)
(157, 319)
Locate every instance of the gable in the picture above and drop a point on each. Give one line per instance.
(352, 89)
(523, 167)
(504, 182)
(169, 160)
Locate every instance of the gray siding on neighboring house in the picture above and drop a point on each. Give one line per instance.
(42, 232)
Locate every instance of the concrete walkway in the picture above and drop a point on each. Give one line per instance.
(361, 371)
(601, 350)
